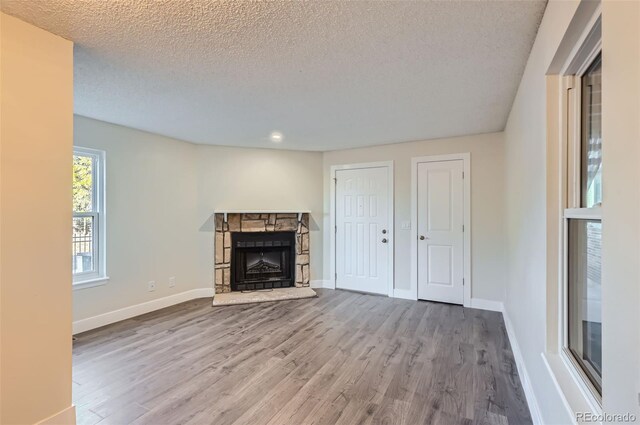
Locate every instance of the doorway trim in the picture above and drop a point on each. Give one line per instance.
(466, 252)
(332, 219)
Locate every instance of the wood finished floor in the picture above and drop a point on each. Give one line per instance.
(341, 358)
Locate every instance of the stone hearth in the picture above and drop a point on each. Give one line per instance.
(259, 222)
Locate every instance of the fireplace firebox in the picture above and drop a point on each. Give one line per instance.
(262, 260)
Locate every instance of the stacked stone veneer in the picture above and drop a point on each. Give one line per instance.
(259, 222)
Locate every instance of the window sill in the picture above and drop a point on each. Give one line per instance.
(90, 283)
(576, 396)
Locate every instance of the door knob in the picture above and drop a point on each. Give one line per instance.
(422, 238)
(384, 240)
(384, 231)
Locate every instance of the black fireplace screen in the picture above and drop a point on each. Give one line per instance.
(262, 260)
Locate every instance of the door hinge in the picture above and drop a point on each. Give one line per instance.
(463, 175)
(336, 229)
(463, 228)
(463, 281)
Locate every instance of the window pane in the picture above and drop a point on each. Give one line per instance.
(83, 170)
(83, 255)
(585, 296)
(592, 135)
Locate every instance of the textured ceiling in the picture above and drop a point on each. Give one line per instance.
(327, 75)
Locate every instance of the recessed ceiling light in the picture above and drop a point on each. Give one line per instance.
(276, 137)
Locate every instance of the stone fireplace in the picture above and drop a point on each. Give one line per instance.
(264, 250)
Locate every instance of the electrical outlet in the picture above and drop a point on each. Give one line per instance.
(152, 285)
(172, 281)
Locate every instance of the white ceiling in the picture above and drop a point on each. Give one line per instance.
(327, 75)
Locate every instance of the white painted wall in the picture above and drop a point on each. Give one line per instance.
(621, 206)
(161, 194)
(151, 193)
(525, 134)
(35, 224)
(487, 217)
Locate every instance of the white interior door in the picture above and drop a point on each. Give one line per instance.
(440, 231)
(362, 229)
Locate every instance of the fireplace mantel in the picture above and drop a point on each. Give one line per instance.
(228, 222)
(260, 211)
(227, 212)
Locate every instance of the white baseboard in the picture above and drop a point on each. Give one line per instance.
(320, 284)
(532, 401)
(64, 417)
(138, 309)
(490, 305)
(405, 294)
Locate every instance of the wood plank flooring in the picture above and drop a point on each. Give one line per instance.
(341, 358)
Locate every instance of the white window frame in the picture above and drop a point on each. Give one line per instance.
(571, 191)
(99, 275)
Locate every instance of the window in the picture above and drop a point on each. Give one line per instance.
(584, 297)
(88, 260)
(583, 224)
(591, 93)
